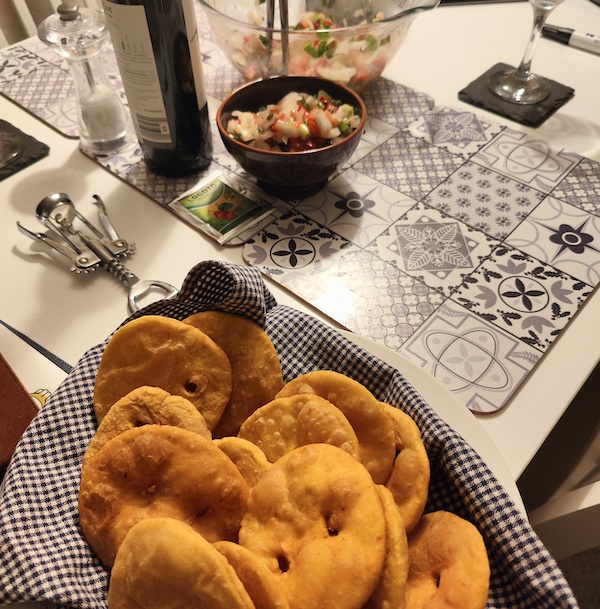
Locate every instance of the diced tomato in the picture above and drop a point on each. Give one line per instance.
(311, 122)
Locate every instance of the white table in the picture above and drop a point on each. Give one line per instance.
(444, 51)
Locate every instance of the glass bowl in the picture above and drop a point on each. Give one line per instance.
(346, 41)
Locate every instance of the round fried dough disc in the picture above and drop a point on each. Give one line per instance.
(159, 470)
(448, 564)
(254, 362)
(165, 353)
(391, 588)
(247, 457)
(164, 564)
(287, 423)
(317, 521)
(146, 406)
(366, 415)
(409, 480)
(258, 580)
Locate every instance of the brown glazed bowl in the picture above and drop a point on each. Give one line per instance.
(289, 175)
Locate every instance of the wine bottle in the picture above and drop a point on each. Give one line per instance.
(158, 53)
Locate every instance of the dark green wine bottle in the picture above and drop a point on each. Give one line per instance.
(158, 53)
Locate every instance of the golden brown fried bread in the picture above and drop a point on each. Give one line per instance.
(159, 470)
(409, 480)
(448, 564)
(391, 589)
(146, 406)
(247, 457)
(165, 353)
(164, 564)
(317, 521)
(287, 423)
(254, 361)
(366, 415)
(258, 580)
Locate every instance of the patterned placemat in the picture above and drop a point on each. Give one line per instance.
(465, 246)
(459, 242)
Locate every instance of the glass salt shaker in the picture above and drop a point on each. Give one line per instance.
(79, 35)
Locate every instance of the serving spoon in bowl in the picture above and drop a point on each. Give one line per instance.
(284, 27)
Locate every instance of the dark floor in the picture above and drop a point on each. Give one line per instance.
(573, 436)
(583, 574)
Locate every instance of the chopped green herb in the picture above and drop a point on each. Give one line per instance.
(372, 42)
(331, 47)
(317, 51)
(344, 127)
(302, 102)
(303, 131)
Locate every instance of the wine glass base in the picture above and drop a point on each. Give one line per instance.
(519, 88)
(11, 146)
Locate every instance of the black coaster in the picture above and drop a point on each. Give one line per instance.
(27, 150)
(532, 115)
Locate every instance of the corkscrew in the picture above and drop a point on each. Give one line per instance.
(88, 248)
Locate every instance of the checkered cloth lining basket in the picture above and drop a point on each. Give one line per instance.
(44, 557)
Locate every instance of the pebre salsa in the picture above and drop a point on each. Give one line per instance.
(317, 46)
(298, 122)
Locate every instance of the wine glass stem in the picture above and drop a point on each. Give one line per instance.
(539, 19)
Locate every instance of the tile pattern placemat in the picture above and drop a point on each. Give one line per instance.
(463, 244)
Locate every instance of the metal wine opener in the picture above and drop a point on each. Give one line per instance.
(89, 248)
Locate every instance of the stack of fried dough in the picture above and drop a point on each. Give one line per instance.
(212, 484)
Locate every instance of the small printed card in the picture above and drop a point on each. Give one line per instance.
(223, 206)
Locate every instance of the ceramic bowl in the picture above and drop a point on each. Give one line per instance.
(289, 175)
(352, 45)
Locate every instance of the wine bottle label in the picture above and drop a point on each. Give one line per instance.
(133, 49)
(191, 27)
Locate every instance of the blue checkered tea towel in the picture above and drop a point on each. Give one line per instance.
(44, 557)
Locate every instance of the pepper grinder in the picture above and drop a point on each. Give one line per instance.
(79, 35)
